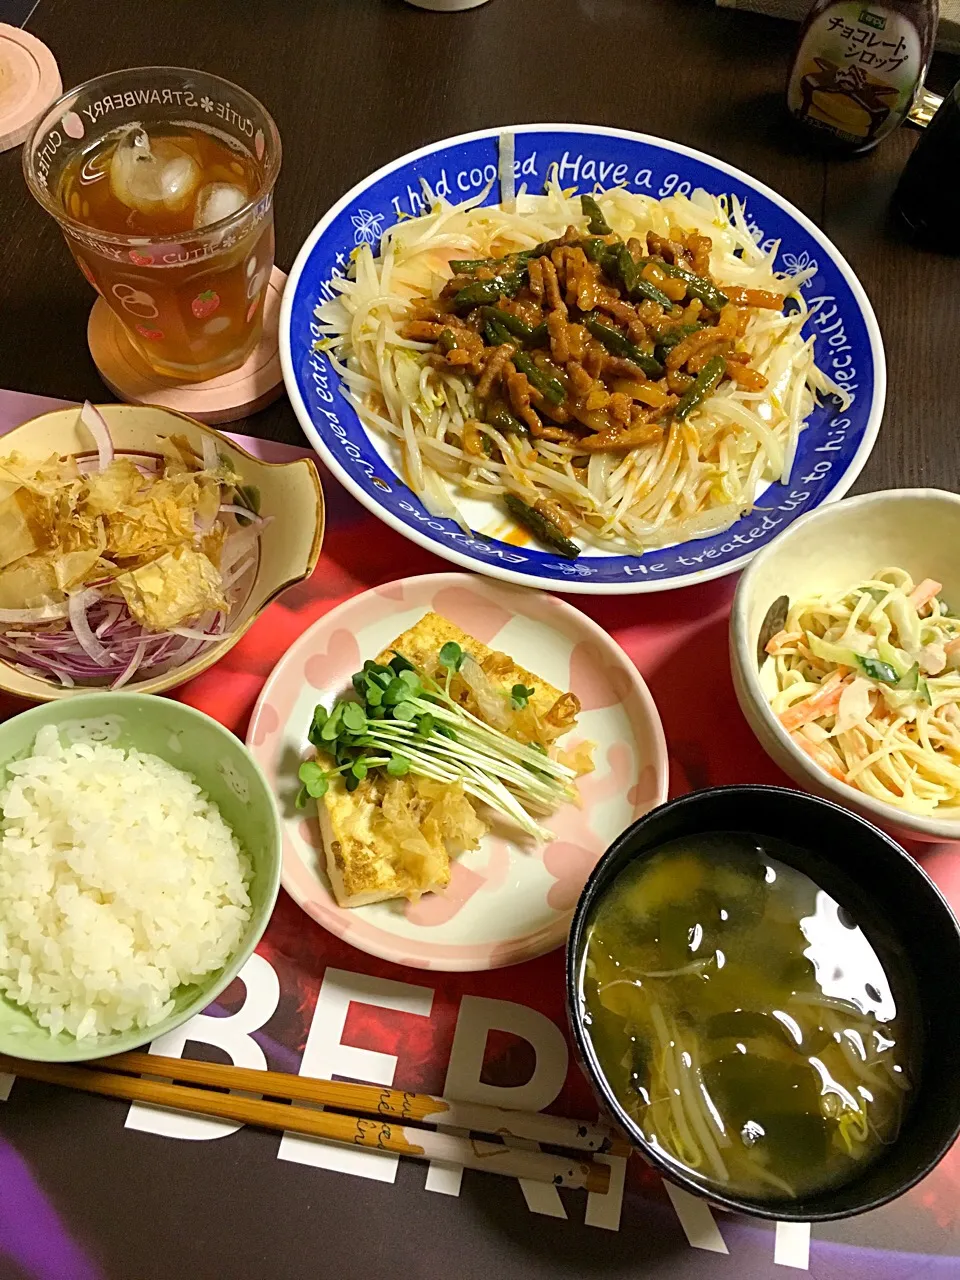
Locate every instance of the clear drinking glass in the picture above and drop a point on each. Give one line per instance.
(162, 182)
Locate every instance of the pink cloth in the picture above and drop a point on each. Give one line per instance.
(17, 407)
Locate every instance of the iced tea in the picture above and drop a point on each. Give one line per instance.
(196, 308)
(161, 179)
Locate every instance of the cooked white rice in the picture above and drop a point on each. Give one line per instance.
(119, 881)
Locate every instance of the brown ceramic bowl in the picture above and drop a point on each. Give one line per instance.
(290, 493)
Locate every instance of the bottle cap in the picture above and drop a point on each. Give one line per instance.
(29, 82)
(257, 383)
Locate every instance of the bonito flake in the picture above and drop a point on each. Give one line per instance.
(154, 535)
(181, 584)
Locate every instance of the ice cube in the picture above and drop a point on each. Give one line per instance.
(134, 171)
(179, 179)
(218, 200)
(150, 177)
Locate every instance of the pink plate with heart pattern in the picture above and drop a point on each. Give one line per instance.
(507, 901)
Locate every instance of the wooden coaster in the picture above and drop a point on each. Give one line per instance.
(29, 82)
(257, 383)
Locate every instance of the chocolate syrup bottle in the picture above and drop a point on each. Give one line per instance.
(859, 68)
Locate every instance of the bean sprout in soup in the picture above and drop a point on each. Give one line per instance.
(745, 1021)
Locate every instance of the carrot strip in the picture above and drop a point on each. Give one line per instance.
(924, 592)
(756, 298)
(776, 643)
(821, 703)
(823, 758)
(748, 378)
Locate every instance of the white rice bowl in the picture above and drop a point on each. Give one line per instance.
(119, 883)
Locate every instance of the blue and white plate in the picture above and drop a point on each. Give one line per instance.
(832, 450)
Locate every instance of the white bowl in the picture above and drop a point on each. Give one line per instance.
(830, 548)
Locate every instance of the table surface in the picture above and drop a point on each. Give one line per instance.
(355, 83)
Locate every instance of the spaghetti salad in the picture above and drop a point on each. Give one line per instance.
(621, 368)
(868, 686)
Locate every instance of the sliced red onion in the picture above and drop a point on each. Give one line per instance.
(113, 612)
(243, 512)
(147, 464)
(236, 547)
(93, 420)
(191, 633)
(79, 602)
(131, 667)
(62, 657)
(179, 656)
(62, 676)
(236, 574)
(98, 639)
(210, 459)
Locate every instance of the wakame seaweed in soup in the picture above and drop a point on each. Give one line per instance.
(744, 1020)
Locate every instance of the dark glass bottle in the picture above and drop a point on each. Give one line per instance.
(928, 194)
(859, 68)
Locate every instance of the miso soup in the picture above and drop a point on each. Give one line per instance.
(745, 1021)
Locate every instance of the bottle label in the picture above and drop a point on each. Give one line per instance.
(856, 71)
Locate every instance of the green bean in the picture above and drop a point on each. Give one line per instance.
(705, 381)
(620, 345)
(647, 289)
(598, 225)
(637, 287)
(672, 337)
(495, 333)
(487, 291)
(610, 261)
(511, 262)
(593, 249)
(697, 286)
(513, 282)
(667, 341)
(504, 420)
(626, 268)
(474, 295)
(620, 266)
(513, 324)
(543, 249)
(548, 387)
(467, 266)
(539, 337)
(541, 527)
(614, 341)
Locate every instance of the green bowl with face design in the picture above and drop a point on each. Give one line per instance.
(221, 765)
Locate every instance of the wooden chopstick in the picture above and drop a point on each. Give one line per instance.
(422, 1144)
(416, 1108)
